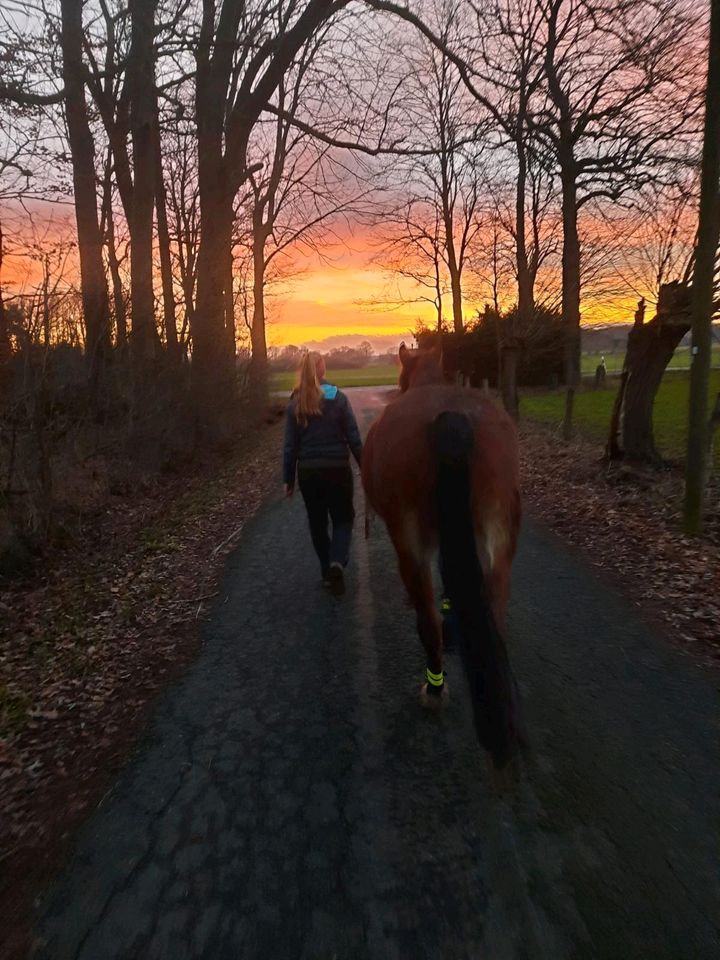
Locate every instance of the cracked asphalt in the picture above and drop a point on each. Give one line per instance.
(292, 800)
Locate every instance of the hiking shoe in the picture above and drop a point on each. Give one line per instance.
(336, 578)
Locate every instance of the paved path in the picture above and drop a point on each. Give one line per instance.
(292, 801)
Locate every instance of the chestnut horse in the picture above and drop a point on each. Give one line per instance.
(440, 466)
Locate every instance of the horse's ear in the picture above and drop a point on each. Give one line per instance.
(403, 353)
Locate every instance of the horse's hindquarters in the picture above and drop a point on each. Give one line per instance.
(441, 466)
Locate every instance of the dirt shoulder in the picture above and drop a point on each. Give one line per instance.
(628, 523)
(86, 647)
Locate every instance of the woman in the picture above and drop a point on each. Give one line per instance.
(319, 428)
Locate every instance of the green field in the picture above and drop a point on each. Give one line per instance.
(614, 361)
(375, 375)
(594, 407)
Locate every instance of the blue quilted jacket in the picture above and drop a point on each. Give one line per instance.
(326, 440)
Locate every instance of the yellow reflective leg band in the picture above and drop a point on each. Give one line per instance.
(434, 679)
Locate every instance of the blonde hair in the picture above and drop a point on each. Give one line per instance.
(308, 395)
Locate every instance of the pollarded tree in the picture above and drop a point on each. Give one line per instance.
(655, 260)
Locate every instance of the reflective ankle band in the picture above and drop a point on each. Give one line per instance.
(434, 679)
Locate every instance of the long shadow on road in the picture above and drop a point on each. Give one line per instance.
(293, 801)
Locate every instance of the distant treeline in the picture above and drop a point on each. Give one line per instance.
(339, 358)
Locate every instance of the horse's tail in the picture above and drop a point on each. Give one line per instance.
(492, 685)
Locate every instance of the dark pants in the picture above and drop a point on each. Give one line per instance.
(329, 490)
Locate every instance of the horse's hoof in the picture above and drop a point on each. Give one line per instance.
(433, 701)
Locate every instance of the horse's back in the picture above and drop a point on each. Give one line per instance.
(399, 463)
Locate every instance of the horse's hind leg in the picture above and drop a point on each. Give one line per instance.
(417, 576)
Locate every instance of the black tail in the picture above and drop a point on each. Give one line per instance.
(492, 686)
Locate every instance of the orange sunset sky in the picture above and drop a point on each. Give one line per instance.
(349, 293)
(355, 297)
(346, 298)
(342, 298)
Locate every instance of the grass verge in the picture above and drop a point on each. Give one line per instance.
(593, 409)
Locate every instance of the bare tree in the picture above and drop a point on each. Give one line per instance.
(123, 89)
(183, 207)
(239, 66)
(437, 222)
(96, 307)
(511, 71)
(614, 99)
(108, 220)
(453, 176)
(502, 68)
(300, 186)
(141, 85)
(413, 249)
(164, 243)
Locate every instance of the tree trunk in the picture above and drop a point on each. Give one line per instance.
(213, 373)
(118, 294)
(649, 352)
(438, 294)
(230, 331)
(526, 298)
(258, 360)
(5, 351)
(213, 368)
(570, 281)
(4, 333)
(510, 352)
(702, 289)
(455, 285)
(46, 305)
(713, 424)
(526, 295)
(613, 448)
(144, 340)
(169, 318)
(650, 348)
(96, 308)
(118, 132)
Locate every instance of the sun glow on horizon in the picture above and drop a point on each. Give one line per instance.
(352, 296)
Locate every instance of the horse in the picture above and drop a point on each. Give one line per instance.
(440, 466)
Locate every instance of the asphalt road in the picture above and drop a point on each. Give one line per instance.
(292, 800)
